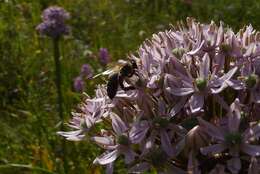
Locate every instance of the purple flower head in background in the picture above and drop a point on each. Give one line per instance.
(78, 84)
(55, 13)
(86, 71)
(53, 24)
(104, 56)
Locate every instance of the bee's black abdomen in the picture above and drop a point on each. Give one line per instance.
(112, 85)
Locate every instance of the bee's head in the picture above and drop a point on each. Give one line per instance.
(134, 65)
(127, 70)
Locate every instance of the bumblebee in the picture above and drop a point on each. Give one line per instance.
(117, 79)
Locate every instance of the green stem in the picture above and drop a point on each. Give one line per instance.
(59, 92)
(208, 110)
(58, 77)
(214, 107)
(25, 167)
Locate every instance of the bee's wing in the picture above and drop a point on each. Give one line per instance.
(113, 68)
(105, 73)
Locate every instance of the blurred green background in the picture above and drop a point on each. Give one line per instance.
(28, 116)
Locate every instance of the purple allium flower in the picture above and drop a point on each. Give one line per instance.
(194, 107)
(86, 71)
(104, 56)
(78, 84)
(53, 24)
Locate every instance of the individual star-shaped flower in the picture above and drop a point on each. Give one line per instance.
(232, 139)
(206, 83)
(117, 143)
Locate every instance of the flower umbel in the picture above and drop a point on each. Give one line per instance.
(194, 106)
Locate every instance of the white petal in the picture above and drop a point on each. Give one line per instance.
(196, 102)
(107, 157)
(204, 66)
(213, 149)
(180, 91)
(118, 124)
(103, 141)
(211, 130)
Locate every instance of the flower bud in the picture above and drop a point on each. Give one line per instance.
(178, 52)
(251, 80)
(233, 138)
(201, 83)
(160, 122)
(158, 157)
(225, 48)
(123, 140)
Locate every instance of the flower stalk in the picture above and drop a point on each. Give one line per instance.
(58, 82)
(54, 26)
(56, 51)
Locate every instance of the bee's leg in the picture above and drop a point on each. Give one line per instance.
(136, 73)
(131, 74)
(129, 88)
(121, 83)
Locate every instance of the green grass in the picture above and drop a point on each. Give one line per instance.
(28, 116)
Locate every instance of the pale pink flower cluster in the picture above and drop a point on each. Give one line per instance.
(195, 106)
